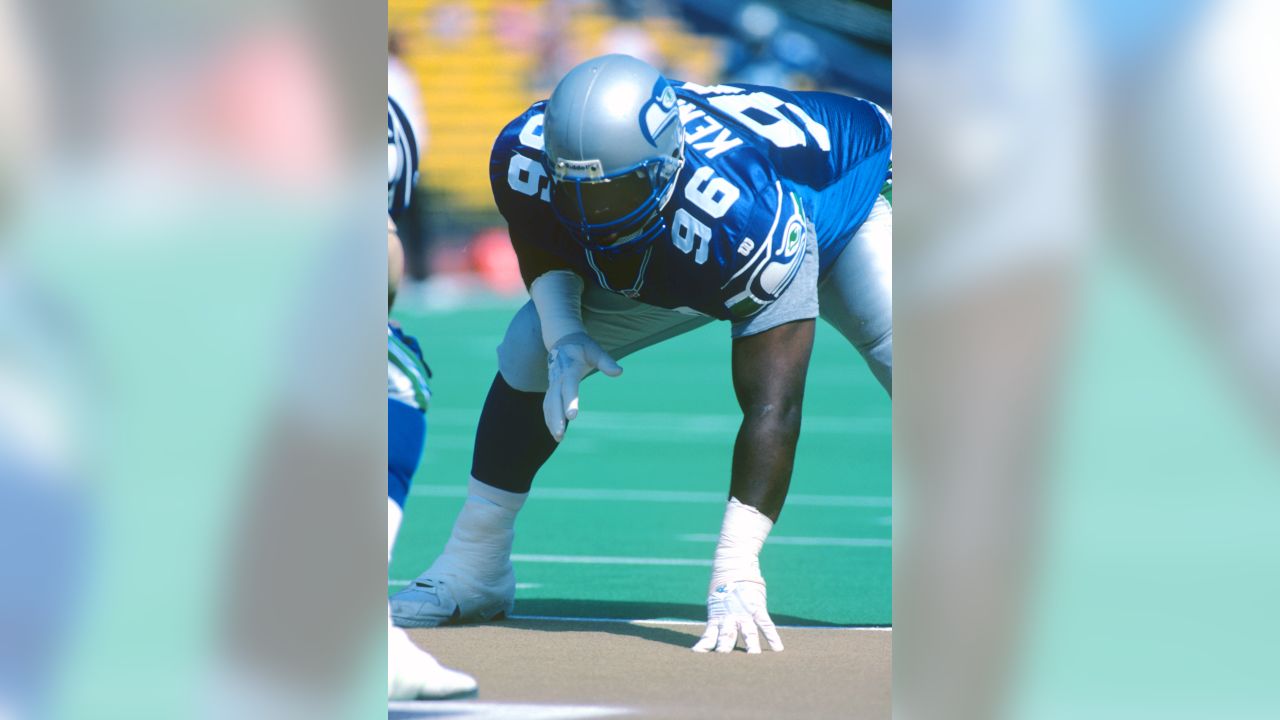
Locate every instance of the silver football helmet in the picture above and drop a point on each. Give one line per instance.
(613, 147)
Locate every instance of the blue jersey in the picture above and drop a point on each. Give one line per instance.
(766, 171)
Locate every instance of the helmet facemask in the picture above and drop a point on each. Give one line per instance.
(618, 212)
(613, 147)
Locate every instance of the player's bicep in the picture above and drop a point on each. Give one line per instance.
(769, 367)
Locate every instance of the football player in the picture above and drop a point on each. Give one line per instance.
(411, 673)
(640, 209)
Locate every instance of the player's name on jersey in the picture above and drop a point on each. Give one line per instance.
(703, 132)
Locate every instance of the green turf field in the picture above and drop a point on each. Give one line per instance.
(622, 521)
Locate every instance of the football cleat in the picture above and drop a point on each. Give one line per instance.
(412, 674)
(438, 597)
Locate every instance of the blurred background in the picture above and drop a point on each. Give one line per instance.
(465, 68)
(1088, 402)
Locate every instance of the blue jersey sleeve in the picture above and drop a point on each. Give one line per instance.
(833, 150)
(521, 190)
(769, 253)
(810, 138)
(858, 134)
(858, 166)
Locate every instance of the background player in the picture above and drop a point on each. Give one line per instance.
(411, 672)
(641, 210)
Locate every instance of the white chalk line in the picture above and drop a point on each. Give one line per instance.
(801, 541)
(519, 585)
(660, 496)
(678, 427)
(609, 560)
(405, 710)
(673, 621)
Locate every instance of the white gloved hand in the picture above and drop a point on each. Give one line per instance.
(736, 598)
(738, 608)
(571, 359)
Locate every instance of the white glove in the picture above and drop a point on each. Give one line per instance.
(572, 358)
(736, 600)
(738, 607)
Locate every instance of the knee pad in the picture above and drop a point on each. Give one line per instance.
(522, 358)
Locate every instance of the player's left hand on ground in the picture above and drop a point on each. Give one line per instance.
(738, 608)
(571, 359)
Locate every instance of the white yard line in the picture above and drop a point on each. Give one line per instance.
(805, 541)
(519, 585)
(463, 709)
(676, 427)
(609, 560)
(660, 496)
(670, 621)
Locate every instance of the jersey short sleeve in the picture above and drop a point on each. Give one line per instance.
(521, 191)
(859, 165)
(831, 149)
(769, 253)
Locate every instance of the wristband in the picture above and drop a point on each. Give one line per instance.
(742, 535)
(557, 295)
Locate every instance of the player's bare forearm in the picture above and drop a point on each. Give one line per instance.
(769, 371)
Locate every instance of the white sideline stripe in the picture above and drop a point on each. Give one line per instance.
(519, 585)
(463, 709)
(669, 621)
(609, 560)
(808, 541)
(660, 496)
(675, 426)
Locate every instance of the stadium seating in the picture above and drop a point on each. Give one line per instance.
(473, 82)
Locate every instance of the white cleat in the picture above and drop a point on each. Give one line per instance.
(436, 599)
(412, 674)
(472, 580)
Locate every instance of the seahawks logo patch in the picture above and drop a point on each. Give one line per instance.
(771, 266)
(658, 112)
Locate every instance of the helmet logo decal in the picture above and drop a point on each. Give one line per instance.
(658, 112)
